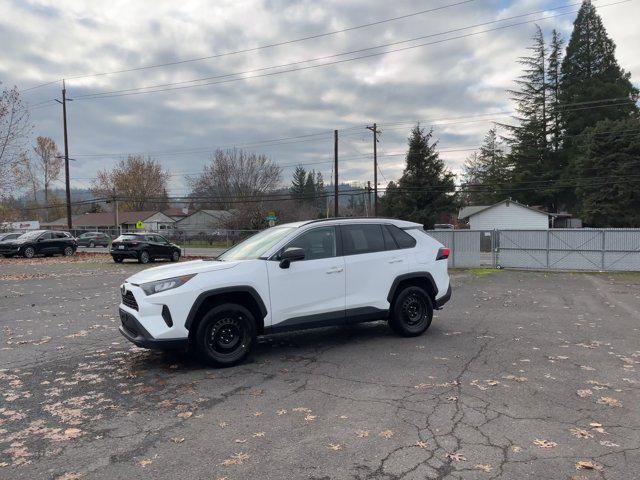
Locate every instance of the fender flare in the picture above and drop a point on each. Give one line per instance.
(219, 291)
(407, 276)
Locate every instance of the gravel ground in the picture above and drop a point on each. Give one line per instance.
(522, 375)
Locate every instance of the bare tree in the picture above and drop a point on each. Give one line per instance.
(26, 175)
(49, 163)
(14, 130)
(234, 176)
(140, 183)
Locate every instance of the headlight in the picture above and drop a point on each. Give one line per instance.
(166, 284)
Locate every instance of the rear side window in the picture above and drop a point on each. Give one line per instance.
(359, 239)
(389, 242)
(402, 238)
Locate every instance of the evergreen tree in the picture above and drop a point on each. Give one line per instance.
(554, 79)
(528, 140)
(297, 183)
(321, 194)
(487, 173)
(426, 189)
(609, 161)
(590, 73)
(309, 190)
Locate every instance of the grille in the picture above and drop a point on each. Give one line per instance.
(129, 300)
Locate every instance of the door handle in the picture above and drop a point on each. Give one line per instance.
(335, 270)
(395, 260)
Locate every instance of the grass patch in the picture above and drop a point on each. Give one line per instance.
(483, 272)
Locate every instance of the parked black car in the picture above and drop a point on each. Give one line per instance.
(9, 236)
(144, 247)
(40, 242)
(94, 239)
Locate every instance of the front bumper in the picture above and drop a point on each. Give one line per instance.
(9, 250)
(443, 299)
(133, 331)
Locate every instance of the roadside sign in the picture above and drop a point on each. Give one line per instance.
(271, 218)
(139, 224)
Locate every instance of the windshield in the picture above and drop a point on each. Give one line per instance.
(257, 245)
(125, 237)
(31, 235)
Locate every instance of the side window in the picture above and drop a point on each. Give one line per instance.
(362, 239)
(317, 243)
(46, 236)
(402, 238)
(389, 242)
(161, 239)
(60, 235)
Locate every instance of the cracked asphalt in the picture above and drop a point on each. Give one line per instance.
(522, 375)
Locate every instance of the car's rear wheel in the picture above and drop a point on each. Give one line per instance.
(29, 252)
(68, 251)
(225, 335)
(92, 244)
(175, 256)
(412, 312)
(144, 257)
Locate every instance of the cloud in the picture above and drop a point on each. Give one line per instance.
(46, 39)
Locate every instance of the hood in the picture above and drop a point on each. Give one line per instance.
(15, 241)
(175, 270)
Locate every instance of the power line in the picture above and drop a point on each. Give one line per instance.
(175, 85)
(261, 47)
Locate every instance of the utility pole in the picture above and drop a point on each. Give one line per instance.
(335, 170)
(369, 197)
(116, 220)
(66, 152)
(375, 131)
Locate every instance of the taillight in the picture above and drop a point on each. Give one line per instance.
(443, 253)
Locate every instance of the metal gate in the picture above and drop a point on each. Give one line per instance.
(554, 249)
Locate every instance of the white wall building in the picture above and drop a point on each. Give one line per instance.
(505, 215)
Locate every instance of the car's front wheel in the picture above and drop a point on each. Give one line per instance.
(118, 259)
(225, 335)
(29, 252)
(175, 256)
(412, 312)
(92, 244)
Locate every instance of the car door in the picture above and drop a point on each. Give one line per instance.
(163, 246)
(309, 292)
(59, 242)
(372, 262)
(44, 243)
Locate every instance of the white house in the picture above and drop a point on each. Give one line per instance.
(204, 220)
(505, 215)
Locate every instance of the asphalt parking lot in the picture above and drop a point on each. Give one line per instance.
(522, 375)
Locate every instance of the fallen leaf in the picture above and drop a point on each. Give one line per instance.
(177, 439)
(185, 414)
(580, 433)
(421, 444)
(240, 440)
(222, 424)
(484, 467)
(302, 409)
(258, 434)
(588, 465)
(455, 457)
(257, 414)
(335, 446)
(607, 443)
(544, 443)
(452, 398)
(610, 401)
(256, 392)
(281, 412)
(584, 393)
(386, 434)
(144, 462)
(235, 459)
(309, 418)
(362, 433)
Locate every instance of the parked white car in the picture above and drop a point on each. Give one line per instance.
(294, 276)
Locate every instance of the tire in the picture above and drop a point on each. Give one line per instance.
(175, 256)
(29, 252)
(144, 257)
(225, 335)
(68, 251)
(412, 312)
(92, 245)
(118, 259)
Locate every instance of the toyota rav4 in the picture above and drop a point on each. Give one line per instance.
(294, 276)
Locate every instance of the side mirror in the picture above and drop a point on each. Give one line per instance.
(291, 255)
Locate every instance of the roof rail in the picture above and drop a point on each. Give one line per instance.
(348, 218)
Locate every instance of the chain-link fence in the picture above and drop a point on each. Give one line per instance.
(554, 249)
(194, 241)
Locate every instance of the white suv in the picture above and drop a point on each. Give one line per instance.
(294, 276)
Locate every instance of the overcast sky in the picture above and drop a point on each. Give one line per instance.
(451, 81)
